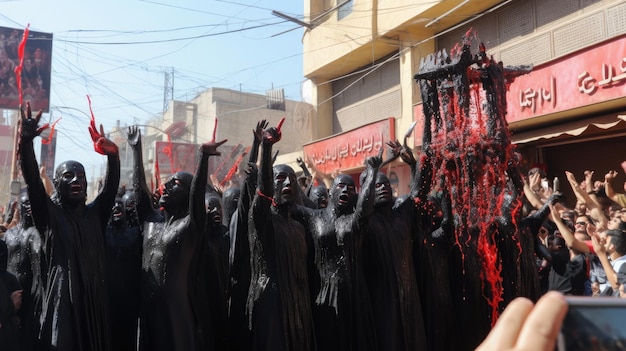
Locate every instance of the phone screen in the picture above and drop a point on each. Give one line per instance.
(594, 324)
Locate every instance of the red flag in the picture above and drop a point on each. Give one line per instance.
(18, 68)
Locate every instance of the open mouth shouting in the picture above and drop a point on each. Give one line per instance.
(76, 189)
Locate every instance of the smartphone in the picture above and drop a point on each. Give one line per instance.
(593, 323)
(544, 184)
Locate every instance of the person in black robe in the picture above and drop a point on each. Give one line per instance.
(170, 303)
(215, 269)
(319, 196)
(388, 261)
(341, 307)
(24, 250)
(123, 271)
(74, 307)
(279, 304)
(10, 304)
(240, 338)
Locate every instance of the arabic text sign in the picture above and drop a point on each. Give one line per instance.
(350, 149)
(587, 77)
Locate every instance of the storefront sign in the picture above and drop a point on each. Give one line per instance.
(350, 149)
(594, 75)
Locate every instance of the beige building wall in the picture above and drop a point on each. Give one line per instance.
(350, 49)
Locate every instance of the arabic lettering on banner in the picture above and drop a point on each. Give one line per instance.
(591, 76)
(350, 149)
(587, 84)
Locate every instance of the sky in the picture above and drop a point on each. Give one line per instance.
(118, 51)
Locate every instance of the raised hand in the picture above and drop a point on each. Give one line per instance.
(133, 135)
(300, 162)
(375, 161)
(29, 126)
(252, 171)
(273, 135)
(258, 132)
(395, 148)
(101, 144)
(610, 175)
(210, 148)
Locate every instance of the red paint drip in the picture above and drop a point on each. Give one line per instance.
(167, 150)
(18, 69)
(49, 139)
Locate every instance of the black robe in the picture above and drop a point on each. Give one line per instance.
(24, 245)
(75, 314)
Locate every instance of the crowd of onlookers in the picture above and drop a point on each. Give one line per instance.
(587, 243)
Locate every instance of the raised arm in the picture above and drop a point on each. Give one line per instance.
(140, 186)
(265, 188)
(595, 210)
(258, 139)
(197, 210)
(104, 146)
(29, 129)
(366, 199)
(566, 233)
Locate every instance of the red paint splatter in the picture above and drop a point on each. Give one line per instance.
(48, 140)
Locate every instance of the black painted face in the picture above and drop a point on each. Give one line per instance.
(117, 212)
(213, 205)
(26, 214)
(319, 195)
(130, 203)
(343, 194)
(383, 189)
(176, 192)
(284, 185)
(230, 200)
(70, 182)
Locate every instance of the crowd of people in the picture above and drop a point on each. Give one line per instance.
(278, 263)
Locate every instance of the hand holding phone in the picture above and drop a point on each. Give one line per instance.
(524, 327)
(593, 323)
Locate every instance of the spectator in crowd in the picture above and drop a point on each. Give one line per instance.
(610, 246)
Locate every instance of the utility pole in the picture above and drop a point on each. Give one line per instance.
(168, 89)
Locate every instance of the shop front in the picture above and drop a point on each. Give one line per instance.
(570, 113)
(347, 152)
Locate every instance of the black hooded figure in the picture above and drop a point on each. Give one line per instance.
(215, 268)
(279, 303)
(230, 199)
(239, 255)
(74, 307)
(24, 249)
(10, 304)
(319, 196)
(391, 274)
(172, 241)
(341, 307)
(123, 271)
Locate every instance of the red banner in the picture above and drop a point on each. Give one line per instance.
(350, 149)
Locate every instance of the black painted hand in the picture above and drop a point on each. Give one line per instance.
(258, 132)
(133, 135)
(210, 148)
(29, 126)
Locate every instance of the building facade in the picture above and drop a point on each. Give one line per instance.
(171, 141)
(360, 59)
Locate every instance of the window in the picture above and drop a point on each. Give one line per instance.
(345, 10)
